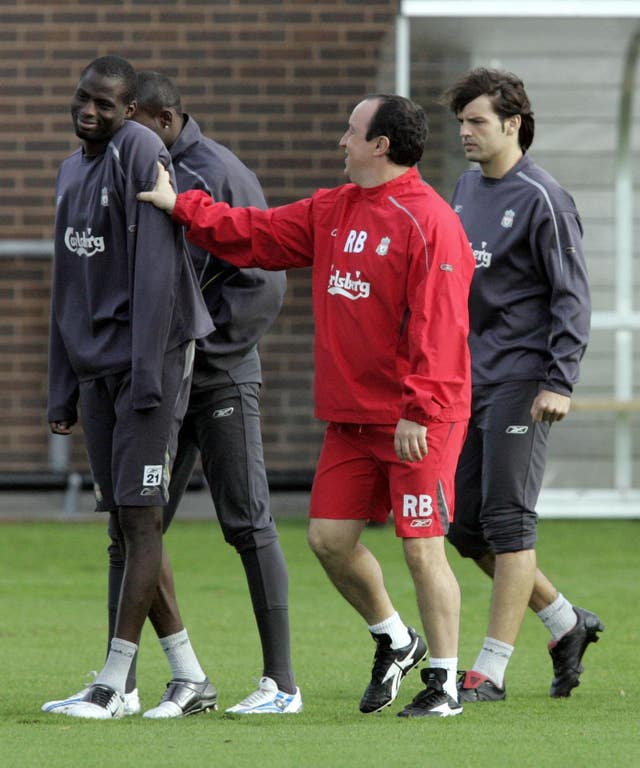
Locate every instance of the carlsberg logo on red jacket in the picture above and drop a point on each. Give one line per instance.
(351, 287)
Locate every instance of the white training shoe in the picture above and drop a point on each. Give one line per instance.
(268, 700)
(101, 702)
(58, 706)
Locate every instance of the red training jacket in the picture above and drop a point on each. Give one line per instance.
(391, 269)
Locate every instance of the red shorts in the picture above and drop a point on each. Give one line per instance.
(359, 477)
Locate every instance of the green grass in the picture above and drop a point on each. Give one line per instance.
(53, 629)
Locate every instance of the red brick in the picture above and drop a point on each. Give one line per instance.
(273, 80)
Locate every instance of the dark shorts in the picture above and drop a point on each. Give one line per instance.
(131, 452)
(359, 477)
(222, 425)
(500, 472)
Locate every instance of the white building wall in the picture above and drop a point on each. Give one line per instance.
(572, 69)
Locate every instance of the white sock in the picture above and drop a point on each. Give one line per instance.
(116, 668)
(451, 667)
(493, 659)
(395, 628)
(182, 658)
(558, 617)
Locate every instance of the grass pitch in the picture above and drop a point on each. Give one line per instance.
(53, 631)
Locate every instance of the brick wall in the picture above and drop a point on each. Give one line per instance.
(24, 302)
(274, 80)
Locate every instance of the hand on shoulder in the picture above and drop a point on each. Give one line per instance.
(162, 195)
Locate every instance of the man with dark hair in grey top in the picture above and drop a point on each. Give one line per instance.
(222, 422)
(125, 310)
(530, 315)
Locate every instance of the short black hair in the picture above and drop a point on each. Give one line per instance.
(156, 92)
(507, 95)
(116, 67)
(404, 123)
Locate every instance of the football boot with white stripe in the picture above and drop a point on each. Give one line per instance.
(434, 701)
(390, 667)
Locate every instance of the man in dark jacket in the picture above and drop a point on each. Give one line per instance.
(222, 422)
(529, 326)
(125, 310)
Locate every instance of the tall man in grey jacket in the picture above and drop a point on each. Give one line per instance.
(222, 425)
(125, 310)
(529, 314)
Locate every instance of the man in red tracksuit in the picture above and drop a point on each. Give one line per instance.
(391, 270)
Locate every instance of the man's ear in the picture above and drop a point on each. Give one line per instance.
(131, 109)
(513, 124)
(166, 117)
(382, 145)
